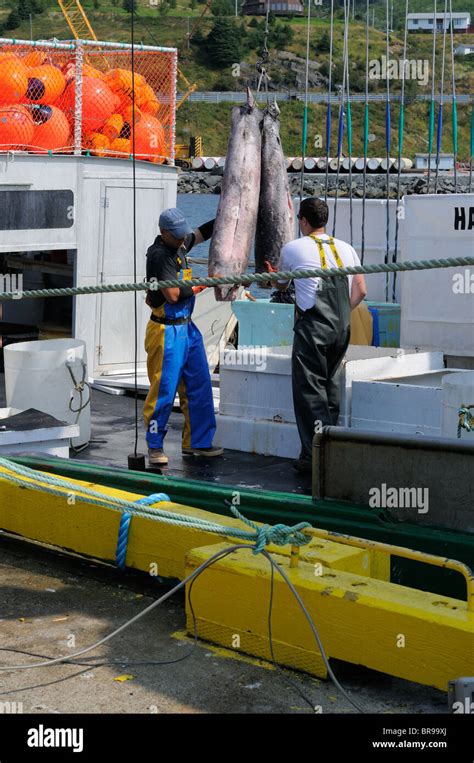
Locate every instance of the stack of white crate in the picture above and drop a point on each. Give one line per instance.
(256, 412)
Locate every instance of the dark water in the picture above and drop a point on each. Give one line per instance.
(199, 208)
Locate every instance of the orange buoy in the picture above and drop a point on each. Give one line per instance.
(13, 80)
(98, 103)
(45, 84)
(16, 128)
(113, 126)
(98, 144)
(149, 137)
(51, 131)
(35, 58)
(121, 147)
(147, 100)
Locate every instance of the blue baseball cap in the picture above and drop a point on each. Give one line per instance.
(174, 221)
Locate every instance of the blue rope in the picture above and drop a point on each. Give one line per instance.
(124, 527)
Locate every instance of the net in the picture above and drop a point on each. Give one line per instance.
(82, 97)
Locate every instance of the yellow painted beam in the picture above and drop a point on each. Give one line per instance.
(411, 634)
(153, 546)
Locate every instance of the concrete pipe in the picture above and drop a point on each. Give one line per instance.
(310, 164)
(374, 164)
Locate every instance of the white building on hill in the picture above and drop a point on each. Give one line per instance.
(423, 22)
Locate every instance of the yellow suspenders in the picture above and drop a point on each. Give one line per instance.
(322, 254)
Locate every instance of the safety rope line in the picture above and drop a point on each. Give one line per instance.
(340, 135)
(401, 129)
(247, 278)
(439, 139)
(279, 534)
(304, 137)
(387, 149)
(431, 121)
(466, 419)
(366, 130)
(454, 102)
(349, 151)
(328, 112)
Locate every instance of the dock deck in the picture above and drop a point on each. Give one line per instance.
(49, 597)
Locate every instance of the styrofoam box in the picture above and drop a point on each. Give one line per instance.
(256, 412)
(256, 383)
(407, 405)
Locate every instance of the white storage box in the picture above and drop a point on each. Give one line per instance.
(256, 411)
(407, 405)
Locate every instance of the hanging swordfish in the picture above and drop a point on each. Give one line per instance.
(276, 217)
(236, 216)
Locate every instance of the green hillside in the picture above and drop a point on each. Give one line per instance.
(240, 42)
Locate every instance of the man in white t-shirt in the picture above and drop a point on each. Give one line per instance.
(322, 325)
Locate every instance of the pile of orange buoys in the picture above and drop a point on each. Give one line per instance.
(38, 100)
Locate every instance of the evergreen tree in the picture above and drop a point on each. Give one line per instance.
(222, 8)
(222, 43)
(130, 6)
(13, 21)
(324, 44)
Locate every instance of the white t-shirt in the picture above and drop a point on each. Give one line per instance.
(303, 254)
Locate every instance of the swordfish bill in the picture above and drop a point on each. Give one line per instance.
(236, 216)
(276, 217)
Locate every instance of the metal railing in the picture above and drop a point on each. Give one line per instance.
(240, 97)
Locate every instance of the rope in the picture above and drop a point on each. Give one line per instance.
(279, 535)
(341, 111)
(247, 278)
(349, 149)
(431, 123)
(124, 527)
(455, 108)
(401, 127)
(304, 136)
(466, 419)
(328, 113)
(440, 112)
(387, 147)
(366, 131)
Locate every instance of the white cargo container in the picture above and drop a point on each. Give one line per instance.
(437, 306)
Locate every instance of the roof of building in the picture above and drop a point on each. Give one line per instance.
(465, 14)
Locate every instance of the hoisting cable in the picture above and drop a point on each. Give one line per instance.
(261, 64)
(328, 113)
(304, 137)
(340, 134)
(366, 131)
(349, 149)
(401, 128)
(431, 124)
(387, 148)
(455, 106)
(440, 112)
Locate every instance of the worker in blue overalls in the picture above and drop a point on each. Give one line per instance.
(176, 356)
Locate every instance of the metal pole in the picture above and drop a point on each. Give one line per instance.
(31, 27)
(305, 114)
